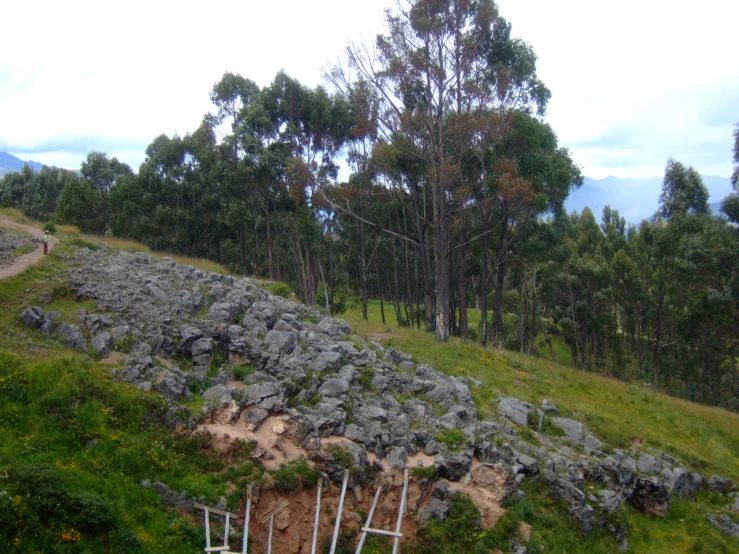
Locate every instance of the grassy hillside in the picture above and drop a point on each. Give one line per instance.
(621, 414)
(75, 444)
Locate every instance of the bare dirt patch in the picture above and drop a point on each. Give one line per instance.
(22, 263)
(294, 513)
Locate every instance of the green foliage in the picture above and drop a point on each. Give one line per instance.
(242, 371)
(341, 455)
(81, 243)
(365, 378)
(294, 475)
(280, 289)
(453, 438)
(550, 428)
(424, 472)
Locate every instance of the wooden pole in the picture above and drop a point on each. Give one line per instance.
(269, 541)
(396, 542)
(246, 520)
(318, 514)
(207, 529)
(338, 513)
(369, 520)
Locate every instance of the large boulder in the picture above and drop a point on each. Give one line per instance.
(103, 343)
(573, 429)
(32, 317)
(333, 387)
(650, 496)
(283, 340)
(72, 337)
(518, 412)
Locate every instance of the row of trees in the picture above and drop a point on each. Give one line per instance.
(454, 201)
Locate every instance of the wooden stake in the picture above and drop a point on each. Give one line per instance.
(396, 542)
(269, 541)
(246, 520)
(207, 528)
(318, 513)
(337, 525)
(369, 519)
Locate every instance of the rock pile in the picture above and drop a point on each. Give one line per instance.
(186, 329)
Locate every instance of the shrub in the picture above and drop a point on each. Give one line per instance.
(341, 455)
(50, 226)
(84, 244)
(424, 472)
(453, 438)
(241, 371)
(45, 489)
(280, 289)
(91, 512)
(295, 474)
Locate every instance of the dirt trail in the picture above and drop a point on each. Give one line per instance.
(24, 262)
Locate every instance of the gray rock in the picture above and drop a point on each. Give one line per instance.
(549, 408)
(218, 393)
(592, 443)
(188, 335)
(396, 457)
(718, 484)
(725, 524)
(573, 429)
(648, 464)
(376, 413)
(347, 373)
(354, 433)
(530, 465)
(331, 359)
(436, 509)
(102, 343)
(220, 312)
(680, 484)
(517, 411)
(610, 501)
(256, 417)
(155, 291)
(456, 466)
(333, 388)
(72, 337)
(201, 347)
(32, 317)
(650, 496)
(285, 341)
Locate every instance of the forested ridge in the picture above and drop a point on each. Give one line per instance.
(451, 216)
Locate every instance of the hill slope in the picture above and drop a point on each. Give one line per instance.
(198, 355)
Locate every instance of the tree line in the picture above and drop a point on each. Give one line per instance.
(451, 215)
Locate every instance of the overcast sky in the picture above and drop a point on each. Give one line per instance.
(633, 82)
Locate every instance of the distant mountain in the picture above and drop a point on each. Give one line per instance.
(9, 163)
(635, 199)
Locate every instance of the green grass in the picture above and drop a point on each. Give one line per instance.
(618, 413)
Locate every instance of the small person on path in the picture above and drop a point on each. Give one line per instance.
(46, 242)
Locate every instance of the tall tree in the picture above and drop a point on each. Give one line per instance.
(683, 191)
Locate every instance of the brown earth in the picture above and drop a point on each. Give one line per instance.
(24, 262)
(294, 514)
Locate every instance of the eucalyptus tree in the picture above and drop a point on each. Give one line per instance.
(438, 60)
(730, 204)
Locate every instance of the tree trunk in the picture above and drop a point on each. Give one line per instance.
(379, 289)
(461, 274)
(269, 244)
(242, 250)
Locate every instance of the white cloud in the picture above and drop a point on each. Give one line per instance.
(633, 82)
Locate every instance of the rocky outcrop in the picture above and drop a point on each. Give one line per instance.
(178, 323)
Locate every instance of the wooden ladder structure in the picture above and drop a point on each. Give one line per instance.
(228, 515)
(224, 549)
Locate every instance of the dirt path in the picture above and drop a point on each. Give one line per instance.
(24, 262)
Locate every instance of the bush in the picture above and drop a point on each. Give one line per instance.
(241, 371)
(45, 488)
(454, 439)
(294, 475)
(341, 455)
(80, 243)
(49, 225)
(280, 289)
(90, 512)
